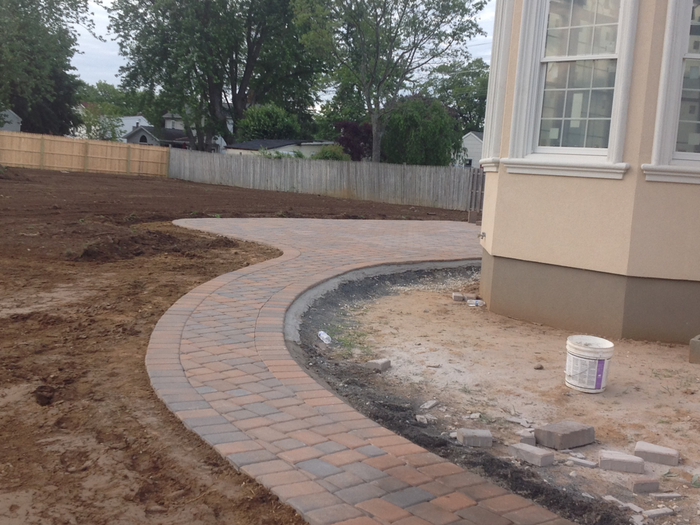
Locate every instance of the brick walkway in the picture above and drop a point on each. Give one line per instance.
(218, 360)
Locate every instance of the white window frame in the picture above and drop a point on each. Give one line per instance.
(668, 165)
(525, 156)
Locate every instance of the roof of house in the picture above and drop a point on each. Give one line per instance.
(255, 145)
(9, 114)
(478, 134)
(167, 134)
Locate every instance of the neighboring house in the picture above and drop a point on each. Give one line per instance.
(149, 136)
(285, 146)
(10, 121)
(130, 123)
(592, 151)
(472, 143)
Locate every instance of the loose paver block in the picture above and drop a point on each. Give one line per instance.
(656, 454)
(530, 454)
(643, 484)
(474, 437)
(381, 365)
(657, 513)
(694, 356)
(527, 436)
(665, 495)
(610, 460)
(583, 462)
(564, 435)
(457, 296)
(218, 359)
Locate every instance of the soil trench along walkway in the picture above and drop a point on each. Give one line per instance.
(218, 360)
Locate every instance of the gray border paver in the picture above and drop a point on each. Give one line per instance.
(218, 360)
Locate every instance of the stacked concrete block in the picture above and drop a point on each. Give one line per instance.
(564, 435)
(621, 462)
(528, 453)
(644, 485)
(527, 436)
(474, 437)
(656, 454)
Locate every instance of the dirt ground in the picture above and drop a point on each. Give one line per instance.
(89, 263)
(484, 368)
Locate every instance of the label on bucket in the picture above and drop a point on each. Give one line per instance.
(588, 374)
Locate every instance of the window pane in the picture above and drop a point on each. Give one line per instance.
(580, 41)
(608, 11)
(580, 74)
(694, 44)
(574, 134)
(583, 13)
(559, 13)
(598, 134)
(550, 133)
(604, 73)
(556, 42)
(688, 137)
(553, 106)
(605, 39)
(691, 76)
(556, 75)
(601, 103)
(690, 106)
(577, 104)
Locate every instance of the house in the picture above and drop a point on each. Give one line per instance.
(10, 121)
(284, 146)
(592, 151)
(472, 144)
(171, 135)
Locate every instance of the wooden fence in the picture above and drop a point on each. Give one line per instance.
(29, 150)
(447, 188)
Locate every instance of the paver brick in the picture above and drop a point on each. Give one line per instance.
(439, 470)
(433, 514)
(475, 437)
(530, 454)
(384, 462)
(364, 471)
(409, 475)
(454, 502)
(343, 458)
(293, 490)
(481, 516)
(314, 501)
(610, 460)
(383, 510)
(532, 515)
(483, 491)
(360, 493)
(463, 479)
(437, 489)
(344, 480)
(408, 497)
(331, 515)
(564, 435)
(656, 453)
(643, 484)
(505, 503)
(319, 468)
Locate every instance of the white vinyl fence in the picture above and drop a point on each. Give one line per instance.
(447, 188)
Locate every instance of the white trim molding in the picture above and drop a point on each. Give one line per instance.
(525, 156)
(498, 76)
(666, 164)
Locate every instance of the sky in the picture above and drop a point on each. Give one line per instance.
(101, 61)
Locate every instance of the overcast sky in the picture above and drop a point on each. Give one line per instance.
(101, 60)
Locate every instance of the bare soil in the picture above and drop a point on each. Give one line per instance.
(89, 263)
(484, 369)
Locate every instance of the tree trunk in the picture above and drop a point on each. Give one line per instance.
(376, 136)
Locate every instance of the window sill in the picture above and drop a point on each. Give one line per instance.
(490, 164)
(584, 166)
(667, 173)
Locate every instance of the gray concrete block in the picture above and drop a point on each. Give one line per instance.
(657, 513)
(564, 434)
(474, 437)
(694, 356)
(666, 495)
(382, 365)
(527, 436)
(656, 454)
(643, 484)
(535, 456)
(583, 462)
(610, 460)
(457, 296)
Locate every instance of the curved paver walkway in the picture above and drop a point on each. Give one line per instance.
(218, 360)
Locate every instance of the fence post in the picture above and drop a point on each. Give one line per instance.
(41, 153)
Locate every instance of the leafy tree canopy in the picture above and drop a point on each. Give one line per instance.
(37, 42)
(212, 59)
(118, 101)
(383, 44)
(355, 139)
(421, 131)
(462, 87)
(268, 122)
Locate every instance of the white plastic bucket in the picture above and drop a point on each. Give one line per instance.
(588, 363)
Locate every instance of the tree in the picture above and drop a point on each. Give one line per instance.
(382, 44)
(268, 122)
(356, 139)
(462, 87)
(102, 121)
(37, 41)
(212, 59)
(421, 131)
(121, 102)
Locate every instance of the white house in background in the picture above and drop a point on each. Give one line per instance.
(10, 121)
(284, 146)
(472, 143)
(131, 123)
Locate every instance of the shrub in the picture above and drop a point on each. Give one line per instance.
(332, 152)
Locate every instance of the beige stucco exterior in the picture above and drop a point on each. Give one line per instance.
(629, 227)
